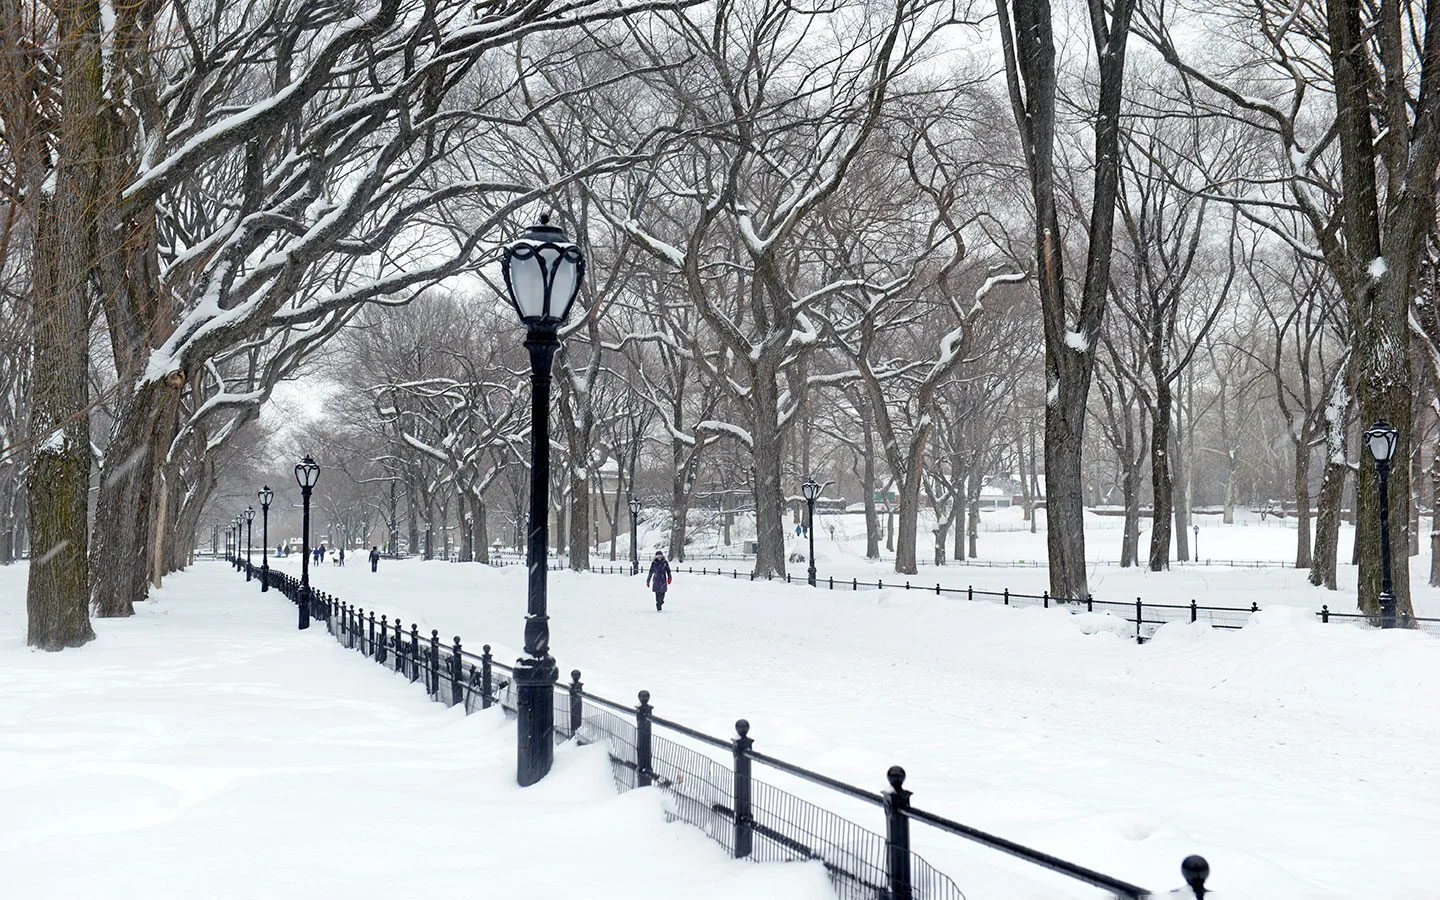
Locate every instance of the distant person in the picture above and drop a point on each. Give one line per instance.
(342, 556)
(659, 578)
(374, 558)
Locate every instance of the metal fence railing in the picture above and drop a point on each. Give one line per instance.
(1145, 616)
(707, 781)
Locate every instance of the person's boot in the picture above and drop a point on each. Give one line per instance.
(658, 603)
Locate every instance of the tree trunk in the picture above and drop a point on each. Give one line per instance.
(579, 521)
(127, 502)
(1161, 478)
(906, 561)
(1435, 514)
(867, 487)
(768, 451)
(972, 530)
(64, 222)
(1130, 537)
(942, 531)
(1302, 501)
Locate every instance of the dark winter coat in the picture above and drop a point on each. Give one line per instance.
(659, 578)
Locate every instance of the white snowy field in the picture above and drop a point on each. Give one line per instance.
(1299, 758)
(206, 749)
(1009, 557)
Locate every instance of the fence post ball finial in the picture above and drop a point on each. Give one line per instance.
(742, 727)
(1195, 870)
(896, 777)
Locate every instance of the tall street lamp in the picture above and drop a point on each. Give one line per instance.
(469, 537)
(634, 536)
(306, 474)
(265, 495)
(1381, 441)
(543, 271)
(249, 535)
(811, 490)
(239, 533)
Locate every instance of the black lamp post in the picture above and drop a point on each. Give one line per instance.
(543, 271)
(1381, 441)
(1195, 529)
(306, 474)
(634, 536)
(811, 490)
(469, 537)
(227, 543)
(265, 495)
(239, 533)
(249, 535)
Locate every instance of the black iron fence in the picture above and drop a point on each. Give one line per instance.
(1144, 616)
(708, 782)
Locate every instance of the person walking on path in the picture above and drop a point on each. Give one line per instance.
(374, 558)
(342, 556)
(659, 578)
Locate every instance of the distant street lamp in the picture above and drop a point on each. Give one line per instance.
(265, 495)
(239, 533)
(469, 537)
(1381, 441)
(811, 490)
(1195, 529)
(634, 536)
(249, 534)
(543, 271)
(307, 473)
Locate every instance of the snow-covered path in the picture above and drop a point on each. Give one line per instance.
(206, 749)
(1299, 758)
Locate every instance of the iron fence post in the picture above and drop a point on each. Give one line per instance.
(1045, 596)
(1194, 611)
(399, 645)
(457, 674)
(1139, 615)
(1195, 870)
(372, 633)
(897, 835)
(434, 684)
(1325, 613)
(743, 813)
(1007, 596)
(485, 677)
(577, 702)
(970, 593)
(384, 632)
(642, 740)
(1089, 602)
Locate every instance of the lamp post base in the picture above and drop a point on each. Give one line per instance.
(264, 578)
(535, 707)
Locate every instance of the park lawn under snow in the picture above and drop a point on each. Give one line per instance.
(206, 749)
(1299, 758)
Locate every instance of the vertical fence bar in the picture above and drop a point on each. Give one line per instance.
(414, 652)
(399, 646)
(897, 836)
(485, 677)
(642, 740)
(1139, 616)
(457, 674)
(372, 632)
(384, 636)
(744, 833)
(434, 680)
(577, 702)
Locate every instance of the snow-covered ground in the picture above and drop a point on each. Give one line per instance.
(1011, 557)
(206, 749)
(1299, 758)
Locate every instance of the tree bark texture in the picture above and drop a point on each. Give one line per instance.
(58, 593)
